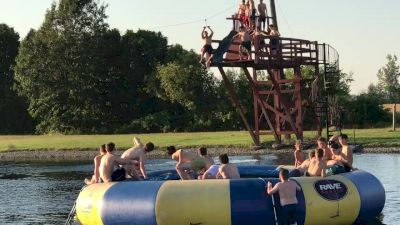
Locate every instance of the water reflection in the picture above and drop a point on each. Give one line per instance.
(44, 192)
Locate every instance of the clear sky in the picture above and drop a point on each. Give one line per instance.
(363, 31)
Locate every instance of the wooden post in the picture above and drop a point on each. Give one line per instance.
(263, 108)
(394, 117)
(273, 14)
(238, 106)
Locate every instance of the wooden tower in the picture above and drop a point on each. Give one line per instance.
(283, 96)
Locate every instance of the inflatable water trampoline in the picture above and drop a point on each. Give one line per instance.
(344, 199)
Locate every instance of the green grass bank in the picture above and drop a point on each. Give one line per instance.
(366, 137)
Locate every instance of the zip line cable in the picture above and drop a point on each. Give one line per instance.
(194, 21)
(284, 18)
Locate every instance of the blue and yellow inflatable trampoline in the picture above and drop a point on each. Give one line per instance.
(340, 199)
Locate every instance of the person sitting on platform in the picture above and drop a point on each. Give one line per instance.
(287, 190)
(262, 11)
(207, 47)
(317, 165)
(110, 169)
(298, 154)
(97, 160)
(245, 45)
(188, 162)
(321, 142)
(227, 170)
(138, 154)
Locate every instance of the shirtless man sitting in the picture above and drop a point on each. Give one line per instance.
(287, 190)
(317, 165)
(346, 150)
(321, 142)
(97, 160)
(110, 169)
(188, 161)
(138, 154)
(227, 170)
(245, 46)
(303, 167)
(339, 162)
(207, 47)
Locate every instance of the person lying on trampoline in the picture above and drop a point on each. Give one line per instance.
(287, 190)
(245, 45)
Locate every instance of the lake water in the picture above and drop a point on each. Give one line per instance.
(44, 192)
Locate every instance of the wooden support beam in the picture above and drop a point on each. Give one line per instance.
(284, 104)
(236, 103)
(263, 104)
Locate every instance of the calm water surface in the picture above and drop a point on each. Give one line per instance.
(44, 192)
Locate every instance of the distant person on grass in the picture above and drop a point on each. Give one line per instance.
(188, 162)
(287, 190)
(97, 160)
(110, 169)
(227, 170)
(138, 154)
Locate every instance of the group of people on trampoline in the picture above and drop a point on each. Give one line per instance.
(251, 32)
(131, 164)
(328, 159)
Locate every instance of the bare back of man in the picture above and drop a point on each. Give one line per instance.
(138, 155)
(229, 171)
(108, 164)
(184, 165)
(316, 167)
(287, 192)
(348, 153)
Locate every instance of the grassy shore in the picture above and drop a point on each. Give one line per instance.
(366, 137)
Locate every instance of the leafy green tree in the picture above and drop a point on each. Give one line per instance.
(14, 117)
(365, 111)
(389, 80)
(66, 70)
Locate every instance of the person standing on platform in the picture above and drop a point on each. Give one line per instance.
(262, 11)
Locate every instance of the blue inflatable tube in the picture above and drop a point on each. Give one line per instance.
(340, 199)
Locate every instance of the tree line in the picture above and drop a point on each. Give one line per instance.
(76, 75)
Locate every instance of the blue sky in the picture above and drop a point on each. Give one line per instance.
(363, 31)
